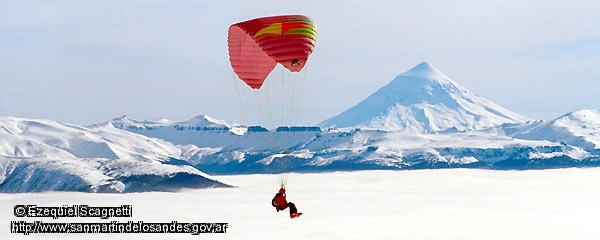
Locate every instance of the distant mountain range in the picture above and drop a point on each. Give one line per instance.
(45, 155)
(421, 119)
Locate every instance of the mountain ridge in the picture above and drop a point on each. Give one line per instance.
(45, 155)
(455, 128)
(579, 128)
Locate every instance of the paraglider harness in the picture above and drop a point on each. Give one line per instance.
(275, 203)
(280, 203)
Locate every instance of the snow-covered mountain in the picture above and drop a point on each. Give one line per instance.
(124, 122)
(205, 131)
(200, 122)
(579, 128)
(42, 155)
(423, 100)
(422, 119)
(310, 149)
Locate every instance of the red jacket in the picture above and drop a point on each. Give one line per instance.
(279, 200)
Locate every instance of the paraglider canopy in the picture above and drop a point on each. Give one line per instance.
(257, 45)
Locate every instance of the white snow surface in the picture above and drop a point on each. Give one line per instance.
(46, 138)
(125, 121)
(423, 99)
(200, 122)
(45, 155)
(450, 204)
(579, 128)
(385, 148)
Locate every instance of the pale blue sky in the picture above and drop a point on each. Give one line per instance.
(86, 62)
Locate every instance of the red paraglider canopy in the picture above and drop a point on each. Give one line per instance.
(256, 46)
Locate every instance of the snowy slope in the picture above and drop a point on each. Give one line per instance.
(265, 152)
(423, 100)
(97, 175)
(23, 137)
(41, 155)
(127, 122)
(222, 152)
(579, 128)
(203, 122)
(200, 122)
